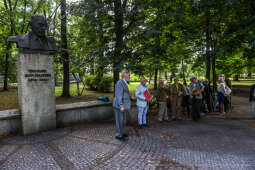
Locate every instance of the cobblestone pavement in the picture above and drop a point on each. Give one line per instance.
(212, 143)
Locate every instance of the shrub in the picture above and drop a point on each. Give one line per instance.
(104, 84)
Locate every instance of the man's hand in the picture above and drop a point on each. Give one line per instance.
(122, 109)
(133, 97)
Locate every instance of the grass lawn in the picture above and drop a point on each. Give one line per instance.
(243, 82)
(9, 99)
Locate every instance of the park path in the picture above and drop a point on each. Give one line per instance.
(212, 143)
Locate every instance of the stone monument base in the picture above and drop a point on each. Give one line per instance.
(36, 91)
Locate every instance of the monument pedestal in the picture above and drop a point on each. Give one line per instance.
(36, 91)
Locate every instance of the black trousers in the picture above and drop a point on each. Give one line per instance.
(196, 105)
(186, 104)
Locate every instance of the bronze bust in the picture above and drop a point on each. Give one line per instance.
(36, 38)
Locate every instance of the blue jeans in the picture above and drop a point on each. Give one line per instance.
(142, 115)
(253, 108)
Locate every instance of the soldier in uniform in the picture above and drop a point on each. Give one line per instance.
(162, 95)
(176, 94)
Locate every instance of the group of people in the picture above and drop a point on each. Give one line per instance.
(173, 100)
(176, 98)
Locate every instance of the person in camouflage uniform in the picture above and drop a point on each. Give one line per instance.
(162, 95)
(176, 95)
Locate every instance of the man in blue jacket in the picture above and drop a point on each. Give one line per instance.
(121, 104)
(141, 103)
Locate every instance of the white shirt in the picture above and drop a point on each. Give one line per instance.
(125, 82)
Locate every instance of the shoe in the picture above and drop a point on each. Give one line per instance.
(160, 121)
(202, 114)
(125, 135)
(145, 125)
(223, 114)
(140, 126)
(120, 138)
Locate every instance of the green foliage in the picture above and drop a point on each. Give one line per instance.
(142, 36)
(134, 78)
(103, 84)
(91, 82)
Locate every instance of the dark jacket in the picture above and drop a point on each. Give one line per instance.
(252, 92)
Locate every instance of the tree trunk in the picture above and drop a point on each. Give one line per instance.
(150, 77)
(6, 66)
(214, 69)
(183, 71)
(9, 9)
(207, 32)
(77, 80)
(249, 75)
(118, 21)
(65, 56)
(236, 78)
(156, 79)
(100, 68)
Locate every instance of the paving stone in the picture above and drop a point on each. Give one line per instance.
(32, 158)
(210, 144)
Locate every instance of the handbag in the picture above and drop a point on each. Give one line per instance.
(227, 91)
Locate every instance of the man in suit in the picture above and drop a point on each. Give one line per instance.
(121, 104)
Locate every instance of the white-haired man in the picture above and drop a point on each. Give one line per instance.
(196, 89)
(121, 104)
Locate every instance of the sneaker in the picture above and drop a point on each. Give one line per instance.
(140, 126)
(125, 135)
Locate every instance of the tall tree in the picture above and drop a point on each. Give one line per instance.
(64, 51)
(10, 11)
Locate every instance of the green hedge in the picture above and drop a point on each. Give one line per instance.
(103, 85)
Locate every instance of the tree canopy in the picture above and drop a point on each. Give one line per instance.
(146, 37)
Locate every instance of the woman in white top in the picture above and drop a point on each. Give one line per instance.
(221, 91)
